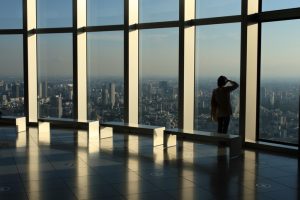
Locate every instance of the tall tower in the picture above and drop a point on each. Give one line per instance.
(70, 91)
(112, 94)
(41, 90)
(45, 89)
(59, 106)
(106, 96)
(16, 90)
(272, 98)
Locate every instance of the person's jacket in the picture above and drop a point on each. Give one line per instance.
(220, 101)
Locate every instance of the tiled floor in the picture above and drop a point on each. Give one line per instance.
(67, 166)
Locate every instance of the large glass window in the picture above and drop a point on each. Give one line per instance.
(106, 76)
(158, 84)
(217, 8)
(54, 13)
(268, 5)
(217, 53)
(55, 75)
(280, 81)
(11, 76)
(11, 14)
(105, 12)
(158, 10)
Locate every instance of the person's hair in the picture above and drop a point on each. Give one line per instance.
(222, 81)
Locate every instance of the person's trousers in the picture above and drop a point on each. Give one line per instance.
(223, 123)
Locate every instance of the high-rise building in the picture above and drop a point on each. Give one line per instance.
(272, 99)
(43, 89)
(70, 91)
(112, 94)
(16, 90)
(59, 107)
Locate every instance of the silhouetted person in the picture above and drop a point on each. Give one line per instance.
(220, 103)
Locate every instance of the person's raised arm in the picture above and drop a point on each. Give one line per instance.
(233, 85)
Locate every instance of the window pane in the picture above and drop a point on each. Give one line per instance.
(158, 71)
(279, 4)
(158, 10)
(106, 76)
(55, 75)
(11, 77)
(217, 53)
(11, 14)
(217, 8)
(280, 81)
(54, 13)
(105, 12)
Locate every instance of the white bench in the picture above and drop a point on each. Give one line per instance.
(18, 122)
(234, 142)
(157, 132)
(91, 126)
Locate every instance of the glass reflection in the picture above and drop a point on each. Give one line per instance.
(55, 75)
(34, 161)
(54, 13)
(157, 10)
(217, 8)
(217, 53)
(133, 162)
(249, 179)
(268, 5)
(105, 12)
(11, 77)
(82, 169)
(158, 74)
(11, 14)
(106, 76)
(280, 85)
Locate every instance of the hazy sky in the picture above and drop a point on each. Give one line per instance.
(105, 12)
(218, 50)
(105, 54)
(158, 52)
(158, 10)
(11, 56)
(55, 52)
(281, 49)
(54, 13)
(11, 14)
(217, 46)
(216, 8)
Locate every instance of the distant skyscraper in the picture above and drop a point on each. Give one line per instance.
(16, 90)
(112, 94)
(106, 96)
(70, 91)
(59, 106)
(272, 99)
(163, 85)
(43, 89)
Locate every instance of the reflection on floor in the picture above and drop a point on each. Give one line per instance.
(66, 165)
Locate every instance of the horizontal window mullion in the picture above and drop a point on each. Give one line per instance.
(217, 20)
(104, 28)
(11, 31)
(152, 25)
(278, 15)
(54, 30)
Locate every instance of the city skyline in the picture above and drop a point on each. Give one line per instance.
(281, 34)
(158, 104)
